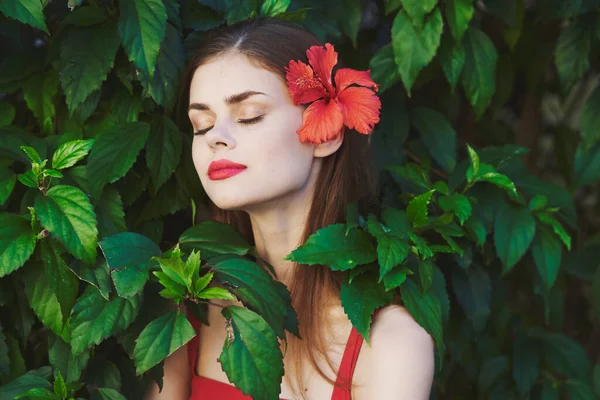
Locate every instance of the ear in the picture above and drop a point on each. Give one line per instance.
(329, 147)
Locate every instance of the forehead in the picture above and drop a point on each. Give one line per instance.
(233, 74)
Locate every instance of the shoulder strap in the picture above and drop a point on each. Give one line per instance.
(341, 389)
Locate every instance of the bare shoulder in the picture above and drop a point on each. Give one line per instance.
(402, 356)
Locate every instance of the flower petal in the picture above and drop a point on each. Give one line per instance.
(345, 77)
(360, 107)
(323, 60)
(302, 84)
(321, 122)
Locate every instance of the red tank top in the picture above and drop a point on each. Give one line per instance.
(207, 388)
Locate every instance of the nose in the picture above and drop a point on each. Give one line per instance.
(220, 136)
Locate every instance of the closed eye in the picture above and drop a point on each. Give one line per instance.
(241, 121)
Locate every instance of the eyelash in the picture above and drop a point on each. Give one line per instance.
(242, 121)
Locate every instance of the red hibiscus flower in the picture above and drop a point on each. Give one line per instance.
(332, 106)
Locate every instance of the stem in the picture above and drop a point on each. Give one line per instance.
(198, 301)
(418, 160)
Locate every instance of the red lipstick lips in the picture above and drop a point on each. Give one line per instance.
(223, 169)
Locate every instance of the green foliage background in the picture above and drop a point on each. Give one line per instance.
(489, 159)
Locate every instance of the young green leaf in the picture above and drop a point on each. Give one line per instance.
(70, 152)
(60, 387)
(67, 213)
(129, 256)
(106, 394)
(330, 246)
(38, 394)
(416, 211)
(273, 7)
(32, 154)
(414, 48)
(161, 338)
(203, 282)
(173, 289)
(251, 356)
(216, 293)
(17, 242)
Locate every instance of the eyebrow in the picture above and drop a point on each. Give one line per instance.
(229, 100)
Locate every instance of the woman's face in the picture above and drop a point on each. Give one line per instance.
(246, 149)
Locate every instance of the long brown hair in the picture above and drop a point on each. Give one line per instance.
(345, 176)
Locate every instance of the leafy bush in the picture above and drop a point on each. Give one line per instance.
(489, 162)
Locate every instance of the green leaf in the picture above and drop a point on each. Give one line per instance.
(61, 279)
(415, 48)
(361, 298)
(514, 230)
(163, 150)
(107, 394)
(161, 338)
(32, 154)
(169, 68)
(438, 136)
(39, 394)
(557, 227)
(547, 254)
(474, 161)
(85, 16)
(487, 173)
(452, 58)
(82, 72)
(579, 390)
(203, 282)
(383, 68)
(396, 221)
(350, 23)
(417, 9)
(114, 152)
(60, 388)
(590, 120)
(525, 363)
(426, 310)
(99, 277)
(213, 237)
(42, 299)
(458, 204)
(458, 15)
(7, 113)
(426, 268)
(396, 277)
(17, 242)
(28, 179)
(391, 250)
(67, 213)
(39, 92)
(479, 74)
(129, 255)
(416, 211)
(253, 360)
(572, 52)
(109, 210)
(587, 165)
(69, 153)
(63, 361)
(330, 246)
(30, 12)
(538, 202)
(199, 17)
(255, 288)
(22, 384)
(94, 318)
(274, 7)
(216, 293)
(142, 26)
(473, 290)
(565, 354)
(53, 173)
(596, 379)
(491, 371)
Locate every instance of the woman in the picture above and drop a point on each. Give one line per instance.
(278, 171)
